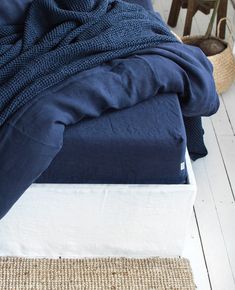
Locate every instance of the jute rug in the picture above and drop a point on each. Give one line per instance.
(92, 274)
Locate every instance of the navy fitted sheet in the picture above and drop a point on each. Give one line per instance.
(121, 147)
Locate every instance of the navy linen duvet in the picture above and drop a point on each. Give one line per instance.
(32, 137)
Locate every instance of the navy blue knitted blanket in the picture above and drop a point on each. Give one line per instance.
(63, 37)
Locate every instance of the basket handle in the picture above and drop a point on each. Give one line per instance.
(230, 28)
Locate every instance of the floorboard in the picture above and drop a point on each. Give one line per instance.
(195, 253)
(229, 102)
(211, 233)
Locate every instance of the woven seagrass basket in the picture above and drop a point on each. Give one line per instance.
(223, 63)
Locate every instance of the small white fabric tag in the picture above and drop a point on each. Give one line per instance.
(182, 166)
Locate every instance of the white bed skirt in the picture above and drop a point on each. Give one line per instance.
(72, 221)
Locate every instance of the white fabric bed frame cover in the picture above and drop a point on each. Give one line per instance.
(72, 220)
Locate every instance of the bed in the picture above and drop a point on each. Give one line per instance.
(99, 220)
(120, 186)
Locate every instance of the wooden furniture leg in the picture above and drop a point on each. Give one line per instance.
(192, 8)
(222, 12)
(174, 13)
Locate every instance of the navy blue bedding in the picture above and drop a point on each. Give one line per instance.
(74, 36)
(32, 138)
(120, 147)
(13, 11)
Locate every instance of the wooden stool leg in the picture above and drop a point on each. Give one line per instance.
(222, 12)
(192, 7)
(174, 13)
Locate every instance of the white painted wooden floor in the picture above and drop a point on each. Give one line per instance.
(211, 243)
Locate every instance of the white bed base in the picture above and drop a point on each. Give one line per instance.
(76, 221)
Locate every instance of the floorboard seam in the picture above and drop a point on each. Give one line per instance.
(203, 251)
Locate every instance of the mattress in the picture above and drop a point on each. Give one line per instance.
(120, 147)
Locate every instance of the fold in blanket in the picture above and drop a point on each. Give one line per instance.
(35, 104)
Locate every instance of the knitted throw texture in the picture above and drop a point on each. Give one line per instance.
(60, 38)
